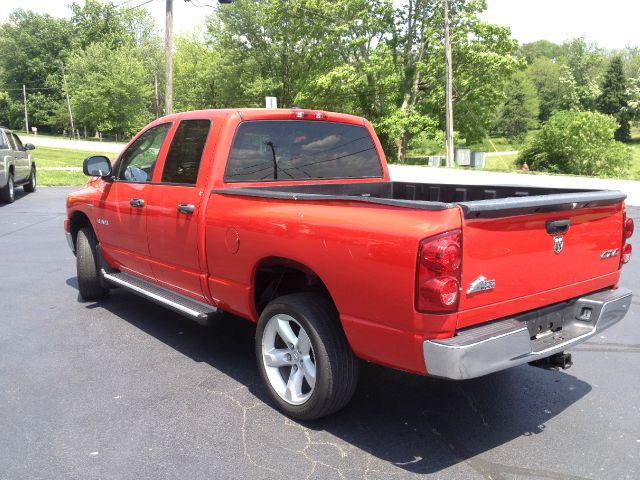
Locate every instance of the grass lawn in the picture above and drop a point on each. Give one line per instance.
(88, 139)
(502, 163)
(52, 161)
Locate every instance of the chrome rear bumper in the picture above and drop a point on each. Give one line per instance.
(506, 343)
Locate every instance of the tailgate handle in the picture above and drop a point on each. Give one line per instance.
(558, 227)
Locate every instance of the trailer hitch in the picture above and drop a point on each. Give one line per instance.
(556, 361)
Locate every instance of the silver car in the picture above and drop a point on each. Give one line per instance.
(17, 166)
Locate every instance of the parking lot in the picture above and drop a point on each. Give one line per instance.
(124, 388)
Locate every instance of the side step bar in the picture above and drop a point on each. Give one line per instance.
(198, 311)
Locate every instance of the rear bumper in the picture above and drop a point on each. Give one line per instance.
(506, 343)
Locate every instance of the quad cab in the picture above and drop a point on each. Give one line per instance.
(289, 218)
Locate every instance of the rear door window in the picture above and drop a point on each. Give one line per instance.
(270, 150)
(185, 153)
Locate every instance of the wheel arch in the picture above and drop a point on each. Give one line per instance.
(277, 276)
(79, 220)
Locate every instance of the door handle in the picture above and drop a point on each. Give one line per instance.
(187, 208)
(136, 202)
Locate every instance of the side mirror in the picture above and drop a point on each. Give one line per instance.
(29, 146)
(97, 166)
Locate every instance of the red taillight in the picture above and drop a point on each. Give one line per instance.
(628, 228)
(627, 231)
(625, 254)
(438, 273)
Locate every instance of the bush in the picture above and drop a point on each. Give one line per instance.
(579, 143)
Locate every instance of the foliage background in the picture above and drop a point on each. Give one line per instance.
(380, 59)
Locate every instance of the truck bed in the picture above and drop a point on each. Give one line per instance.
(476, 201)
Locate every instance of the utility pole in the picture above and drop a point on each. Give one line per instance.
(66, 91)
(448, 87)
(26, 116)
(168, 54)
(155, 78)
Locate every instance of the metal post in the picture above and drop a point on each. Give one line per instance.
(155, 78)
(66, 91)
(448, 87)
(168, 53)
(26, 115)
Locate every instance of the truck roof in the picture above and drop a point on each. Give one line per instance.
(269, 114)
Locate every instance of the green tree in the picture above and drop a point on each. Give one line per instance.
(109, 89)
(614, 98)
(365, 57)
(33, 45)
(519, 113)
(555, 85)
(587, 64)
(96, 22)
(195, 75)
(580, 143)
(540, 49)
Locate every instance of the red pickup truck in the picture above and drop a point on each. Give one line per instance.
(289, 219)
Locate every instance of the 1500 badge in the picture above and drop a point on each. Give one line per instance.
(481, 284)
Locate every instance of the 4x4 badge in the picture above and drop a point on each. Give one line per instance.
(558, 244)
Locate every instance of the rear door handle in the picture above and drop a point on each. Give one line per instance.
(187, 208)
(136, 202)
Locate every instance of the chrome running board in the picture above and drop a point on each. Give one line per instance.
(198, 311)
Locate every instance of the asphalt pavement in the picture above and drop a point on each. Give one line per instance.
(124, 389)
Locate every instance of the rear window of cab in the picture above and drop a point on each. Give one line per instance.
(269, 150)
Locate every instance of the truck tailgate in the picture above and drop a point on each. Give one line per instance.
(507, 258)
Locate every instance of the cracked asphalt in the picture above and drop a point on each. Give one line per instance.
(126, 389)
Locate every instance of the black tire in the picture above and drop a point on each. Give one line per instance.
(89, 283)
(8, 192)
(31, 185)
(336, 367)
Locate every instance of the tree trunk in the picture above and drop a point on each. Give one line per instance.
(401, 145)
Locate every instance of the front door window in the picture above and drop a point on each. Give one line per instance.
(138, 162)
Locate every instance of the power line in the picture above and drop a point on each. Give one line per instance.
(134, 7)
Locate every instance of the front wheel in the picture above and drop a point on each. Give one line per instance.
(304, 357)
(31, 185)
(89, 282)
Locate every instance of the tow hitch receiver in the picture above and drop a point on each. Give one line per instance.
(554, 362)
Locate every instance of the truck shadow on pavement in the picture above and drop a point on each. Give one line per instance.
(397, 423)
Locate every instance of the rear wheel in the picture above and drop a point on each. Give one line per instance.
(7, 193)
(89, 282)
(304, 357)
(31, 185)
